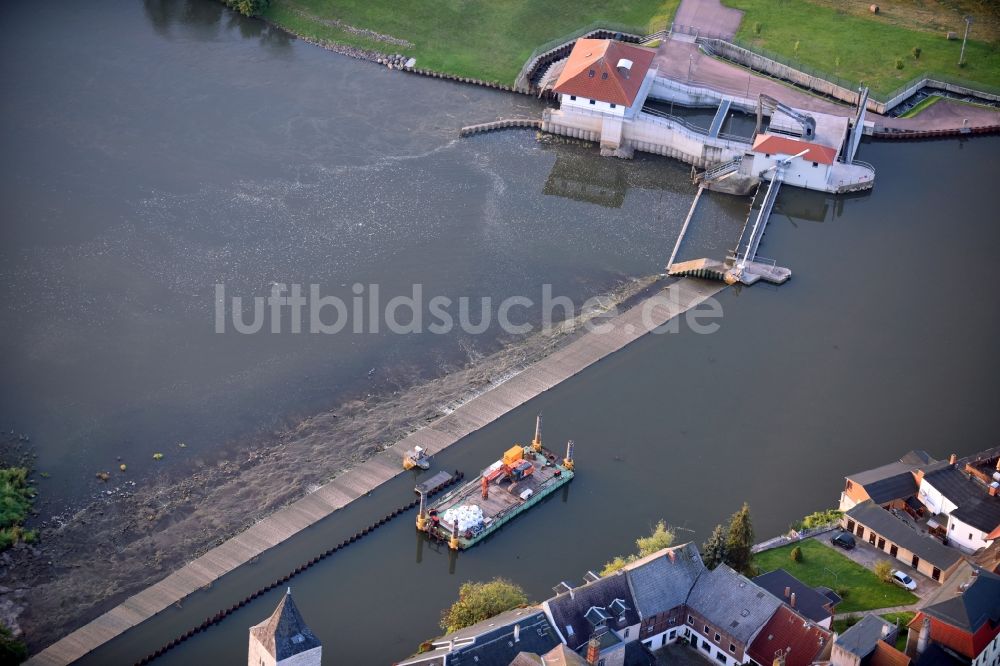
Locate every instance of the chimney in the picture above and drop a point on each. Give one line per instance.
(952, 459)
(593, 649)
(624, 67)
(788, 591)
(792, 602)
(925, 634)
(517, 633)
(885, 630)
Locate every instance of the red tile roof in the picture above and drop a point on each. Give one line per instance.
(887, 655)
(772, 144)
(791, 633)
(592, 71)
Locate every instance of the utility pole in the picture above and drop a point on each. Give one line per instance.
(961, 56)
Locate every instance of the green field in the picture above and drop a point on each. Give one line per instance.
(484, 40)
(861, 48)
(821, 565)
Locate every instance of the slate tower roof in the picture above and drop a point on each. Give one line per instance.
(285, 633)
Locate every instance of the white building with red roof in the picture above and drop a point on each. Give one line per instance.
(606, 76)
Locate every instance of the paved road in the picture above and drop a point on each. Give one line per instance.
(709, 17)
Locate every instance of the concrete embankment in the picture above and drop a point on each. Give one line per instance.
(590, 347)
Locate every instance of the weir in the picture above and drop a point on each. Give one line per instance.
(590, 347)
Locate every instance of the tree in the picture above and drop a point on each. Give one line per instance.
(661, 537)
(12, 651)
(916, 52)
(739, 540)
(479, 601)
(248, 7)
(713, 551)
(883, 571)
(796, 554)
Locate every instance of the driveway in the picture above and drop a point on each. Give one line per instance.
(709, 17)
(867, 555)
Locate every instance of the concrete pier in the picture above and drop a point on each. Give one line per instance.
(590, 347)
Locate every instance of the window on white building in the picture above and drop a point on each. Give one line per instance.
(614, 106)
(573, 97)
(593, 101)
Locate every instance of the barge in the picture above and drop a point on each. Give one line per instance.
(519, 480)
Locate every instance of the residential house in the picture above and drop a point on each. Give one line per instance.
(967, 493)
(815, 604)
(888, 485)
(606, 76)
(791, 638)
(284, 639)
(897, 535)
(493, 642)
(660, 585)
(601, 608)
(967, 623)
(868, 643)
(724, 613)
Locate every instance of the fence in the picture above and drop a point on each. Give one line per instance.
(793, 536)
(549, 51)
(845, 89)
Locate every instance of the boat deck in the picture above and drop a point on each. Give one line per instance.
(504, 496)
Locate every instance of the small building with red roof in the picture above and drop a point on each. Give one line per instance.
(789, 635)
(806, 163)
(606, 76)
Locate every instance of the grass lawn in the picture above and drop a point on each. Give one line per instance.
(484, 40)
(821, 565)
(862, 47)
(899, 619)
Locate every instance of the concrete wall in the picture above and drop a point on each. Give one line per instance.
(776, 69)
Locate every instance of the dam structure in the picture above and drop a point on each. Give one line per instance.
(612, 93)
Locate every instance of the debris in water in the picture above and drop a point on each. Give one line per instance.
(122, 467)
(157, 456)
(103, 476)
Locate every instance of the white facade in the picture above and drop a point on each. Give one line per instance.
(592, 105)
(934, 500)
(961, 534)
(966, 536)
(799, 172)
(990, 656)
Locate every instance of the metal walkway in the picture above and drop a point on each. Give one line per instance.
(746, 249)
(720, 118)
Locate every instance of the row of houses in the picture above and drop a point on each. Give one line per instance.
(670, 596)
(928, 513)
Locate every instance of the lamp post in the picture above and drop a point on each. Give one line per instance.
(690, 64)
(961, 56)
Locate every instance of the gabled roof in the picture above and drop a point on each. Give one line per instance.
(663, 580)
(977, 605)
(491, 642)
(885, 524)
(974, 504)
(860, 640)
(809, 601)
(561, 655)
(894, 480)
(569, 610)
(592, 71)
(732, 602)
(799, 639)
(773, 144)
(285, 633)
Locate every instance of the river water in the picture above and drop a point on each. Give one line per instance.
(172, 146)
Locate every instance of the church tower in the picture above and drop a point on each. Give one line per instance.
(284, 639)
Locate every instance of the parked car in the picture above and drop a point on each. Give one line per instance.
(843, 539)
(901, 579)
